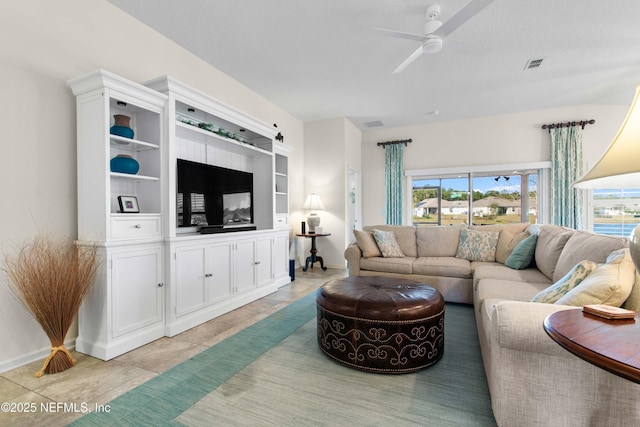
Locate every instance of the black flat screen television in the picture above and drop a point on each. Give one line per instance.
(210, 195)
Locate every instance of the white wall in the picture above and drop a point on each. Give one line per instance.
(45, 43)
(511, 138)
(330, 147)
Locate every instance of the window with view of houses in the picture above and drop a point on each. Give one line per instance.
(616, 212)
(475, 198)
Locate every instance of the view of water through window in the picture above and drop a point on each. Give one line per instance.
(616, 212)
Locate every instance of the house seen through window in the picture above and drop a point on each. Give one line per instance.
(488, 198)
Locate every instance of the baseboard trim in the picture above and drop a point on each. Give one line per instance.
(25, 359)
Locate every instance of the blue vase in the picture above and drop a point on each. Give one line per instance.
(121, 126)
(122, 131)
(125, 164)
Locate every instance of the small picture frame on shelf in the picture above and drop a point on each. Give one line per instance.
(128, 204)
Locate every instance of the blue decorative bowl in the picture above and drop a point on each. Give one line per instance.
(123, 131)
(125, 164)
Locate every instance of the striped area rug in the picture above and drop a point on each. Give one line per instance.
(274, 374)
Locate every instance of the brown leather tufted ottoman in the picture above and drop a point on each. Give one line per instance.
(381, 324)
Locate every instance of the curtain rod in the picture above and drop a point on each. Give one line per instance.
(581, 123)
(401, 141)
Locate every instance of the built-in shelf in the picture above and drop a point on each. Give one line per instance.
(133, 177)
(129, 143)
(230, 144)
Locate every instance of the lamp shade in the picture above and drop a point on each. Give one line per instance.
(313, 203)
(619, 167)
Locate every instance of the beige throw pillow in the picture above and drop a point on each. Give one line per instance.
(506, 242)
(609, 284)
(367, 244)
(572, 279)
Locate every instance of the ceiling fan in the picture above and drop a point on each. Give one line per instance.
(435, 31)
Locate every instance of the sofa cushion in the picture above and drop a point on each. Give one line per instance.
(506, 289)
(367, 243)
(522, 255)
(388, 265)
(386, 241)
(609, 284)
(585, 245)
(506, 242)
(570, 280)
(438, 241)
(442, 266)
(476, 245)
(501, 272)
(551, 241)
(405, 236)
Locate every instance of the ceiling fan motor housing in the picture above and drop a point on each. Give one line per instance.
(433, 44)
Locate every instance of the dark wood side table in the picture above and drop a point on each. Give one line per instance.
(314, 251)
(613, 345)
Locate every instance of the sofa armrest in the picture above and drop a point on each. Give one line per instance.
(353, 254)
(518, 325)
(535, 382)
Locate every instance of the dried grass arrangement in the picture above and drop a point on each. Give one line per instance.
(51, 276)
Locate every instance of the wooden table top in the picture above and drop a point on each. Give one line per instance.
(613, 345)
(313, 234)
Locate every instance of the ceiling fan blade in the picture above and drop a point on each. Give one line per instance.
(469, 11)
(409, 60)
(402, 34)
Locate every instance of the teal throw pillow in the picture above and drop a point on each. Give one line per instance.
(523, 253)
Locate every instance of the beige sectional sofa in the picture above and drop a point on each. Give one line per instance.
(532, 380)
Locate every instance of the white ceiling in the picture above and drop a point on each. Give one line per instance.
(320, 59)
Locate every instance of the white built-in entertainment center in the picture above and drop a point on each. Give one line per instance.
(159, 276)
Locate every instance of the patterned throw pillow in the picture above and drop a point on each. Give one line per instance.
(387, 244)
(367, 244)
(609, 284)
(476, 245)
(572, 279)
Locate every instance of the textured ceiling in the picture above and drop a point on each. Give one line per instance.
(321, 59)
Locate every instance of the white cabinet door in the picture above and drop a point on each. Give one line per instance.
(263, 261)
(137, 290)
(245, 260)
(220, 269)
(191, 272)
(280, 256)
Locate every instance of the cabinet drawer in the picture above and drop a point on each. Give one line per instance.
(135, 227)
(281, 221)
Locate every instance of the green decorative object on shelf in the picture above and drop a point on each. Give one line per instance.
(210, 127)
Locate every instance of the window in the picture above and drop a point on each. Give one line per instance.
(616, 212)
(443, 200)
(481, 197)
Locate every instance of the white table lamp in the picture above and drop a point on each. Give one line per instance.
(619, 167)
(313, 203)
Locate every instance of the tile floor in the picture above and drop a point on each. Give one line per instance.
(95, 382)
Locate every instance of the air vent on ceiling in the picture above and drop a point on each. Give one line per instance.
(533, 63)
(374, 124)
